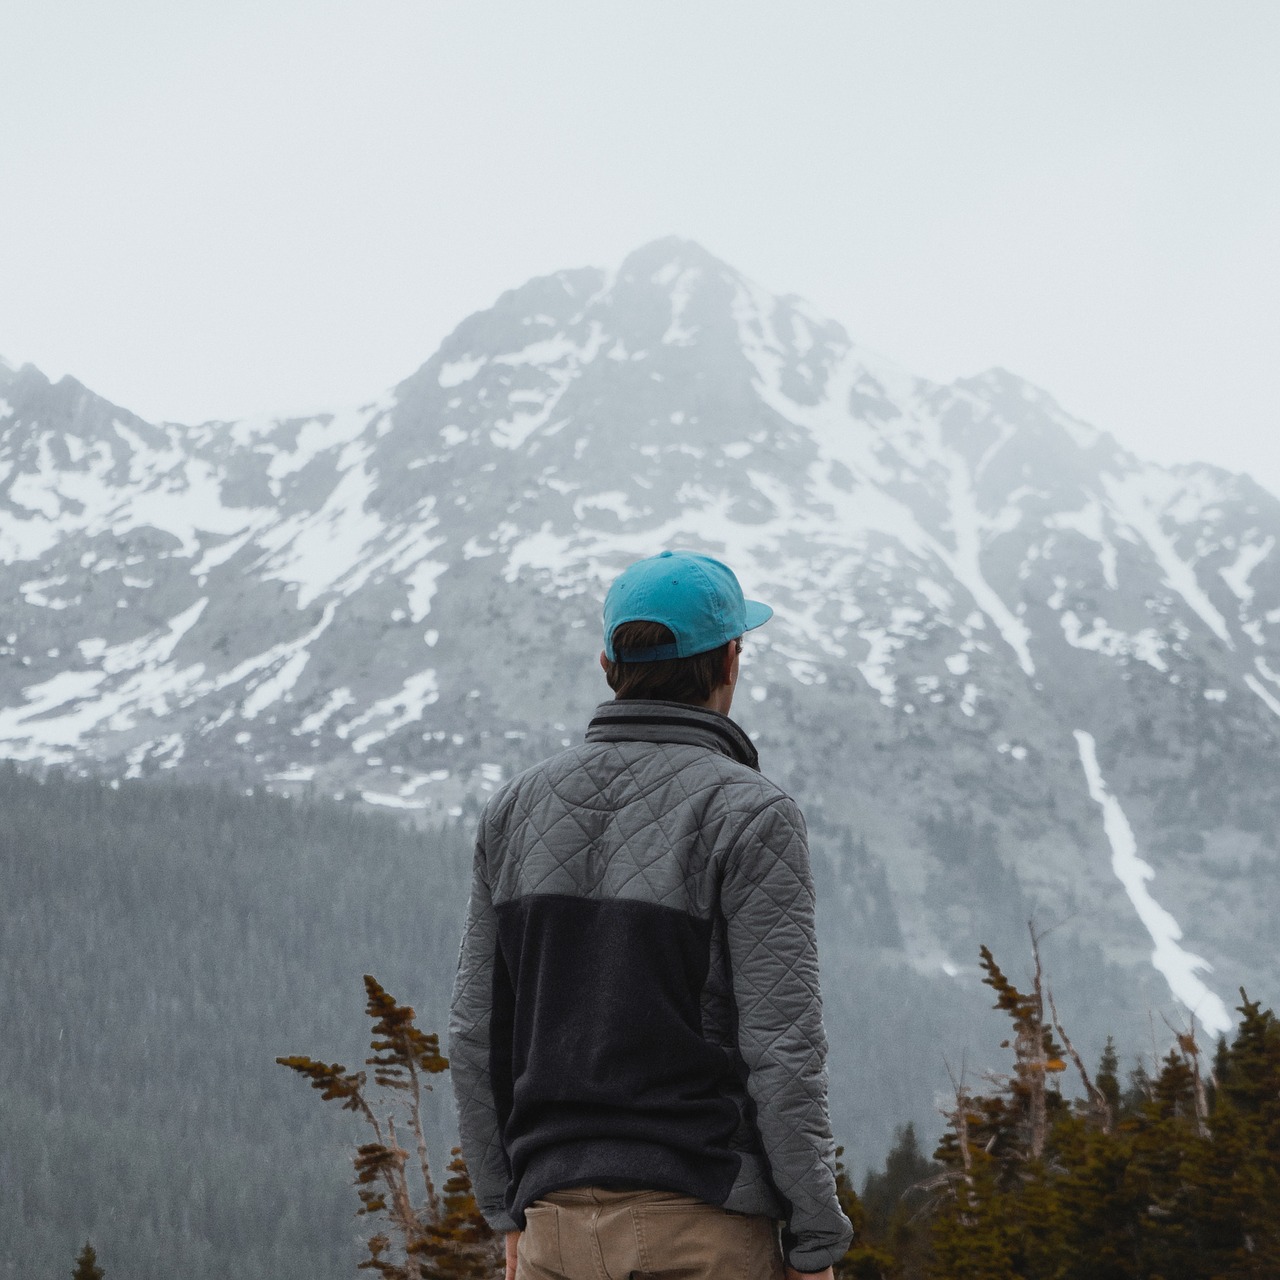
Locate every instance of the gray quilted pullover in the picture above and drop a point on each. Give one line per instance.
(637, 999)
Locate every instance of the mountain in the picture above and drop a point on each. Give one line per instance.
(1015, 672)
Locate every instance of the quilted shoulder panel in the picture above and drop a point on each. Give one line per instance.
(644, 820)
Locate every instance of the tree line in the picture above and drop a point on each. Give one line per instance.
(1174, 1176)
(164, 944)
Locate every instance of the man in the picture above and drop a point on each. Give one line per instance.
(636, 1034)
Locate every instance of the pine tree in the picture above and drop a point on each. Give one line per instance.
(1099, 1200)
(87, 1265)
(970, 1236)
(863, 1260)
(1108, 1079)
(972, 1239)
(1168, 1148)
(895, 1202)
(1137, 1092)
(1241, 1176)
(905, 1168)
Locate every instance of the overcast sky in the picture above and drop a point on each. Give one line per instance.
(210, 210)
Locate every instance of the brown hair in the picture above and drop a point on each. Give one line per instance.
(691, 680)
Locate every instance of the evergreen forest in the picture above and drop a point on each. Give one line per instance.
(162, 945)
(1167, 1176)
(169, 948)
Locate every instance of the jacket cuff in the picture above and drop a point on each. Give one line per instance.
(498, 1218)
(816, 1257)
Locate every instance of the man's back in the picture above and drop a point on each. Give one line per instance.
(636, 1030)
(652, 1005)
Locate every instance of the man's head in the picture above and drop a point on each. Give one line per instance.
(672, 630)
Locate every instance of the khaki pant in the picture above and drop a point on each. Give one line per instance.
(591, 1234)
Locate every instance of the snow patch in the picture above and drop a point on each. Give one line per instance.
(314, 437)
(1133, 498)
(214, 557)
(882, 644)
(87, 700)
(543, 352)
(36, 593)
(294, 773)
(1146, 645)
(279, 655)
(1180, 968)
(1088, 522)
(338, 699)
(1263, 692)
(149, 650)
(275, 686)
(421, 584)
(966, 528)
(1250, 556)
(32, 724)
(677, 333)
(164, 488)
(1265, 670)
(456, 372)
(614, 501)
(316, 550)
(418, 692)
(393, 802)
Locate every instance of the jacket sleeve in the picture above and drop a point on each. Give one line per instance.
(471, 1029)
(768, 903)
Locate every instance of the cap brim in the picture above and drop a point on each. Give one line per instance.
(757, 614)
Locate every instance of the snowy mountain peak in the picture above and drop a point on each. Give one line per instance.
(666, 258)
(965, 577)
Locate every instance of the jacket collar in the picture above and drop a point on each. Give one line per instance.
(637, 720)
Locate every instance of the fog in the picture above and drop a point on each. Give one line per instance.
(210, 213)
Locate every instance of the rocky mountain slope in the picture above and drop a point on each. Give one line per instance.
(1015, 671)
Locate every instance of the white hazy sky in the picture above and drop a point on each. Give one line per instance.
(208, 209)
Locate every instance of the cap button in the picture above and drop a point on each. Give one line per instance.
(665, 553)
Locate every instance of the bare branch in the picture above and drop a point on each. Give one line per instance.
(1031, 1039)
(415, 1122)
(1098, 1103)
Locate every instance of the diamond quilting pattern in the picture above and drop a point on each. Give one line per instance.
(629, 819)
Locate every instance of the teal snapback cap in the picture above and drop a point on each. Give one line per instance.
(697, 598)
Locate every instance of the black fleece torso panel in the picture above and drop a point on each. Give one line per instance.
(607, 1048)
